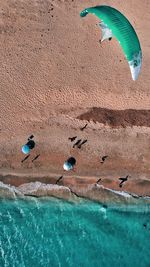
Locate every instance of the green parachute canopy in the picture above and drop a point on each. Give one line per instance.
(113, 23)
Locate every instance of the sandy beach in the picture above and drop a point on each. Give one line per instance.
(55, 78)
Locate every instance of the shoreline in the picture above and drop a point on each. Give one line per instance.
(35, 186)
(138, 183)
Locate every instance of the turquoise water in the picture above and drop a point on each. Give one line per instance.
(58, 233)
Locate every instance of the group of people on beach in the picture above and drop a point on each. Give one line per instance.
(71, 161)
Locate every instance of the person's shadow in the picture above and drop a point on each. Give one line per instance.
(82, 128)
(77, 143)
(82, 143)
(25, 158)
(104, 158)
(58, 180)
(123, 179)
(36, 157)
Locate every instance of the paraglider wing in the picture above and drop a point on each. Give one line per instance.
(113, 23)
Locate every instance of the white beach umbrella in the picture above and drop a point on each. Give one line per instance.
(25, 149)
(67, 166)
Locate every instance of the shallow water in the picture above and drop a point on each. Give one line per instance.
(57, 233)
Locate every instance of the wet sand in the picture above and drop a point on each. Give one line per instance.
(55, 78)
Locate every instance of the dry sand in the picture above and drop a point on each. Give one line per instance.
(55, 77)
